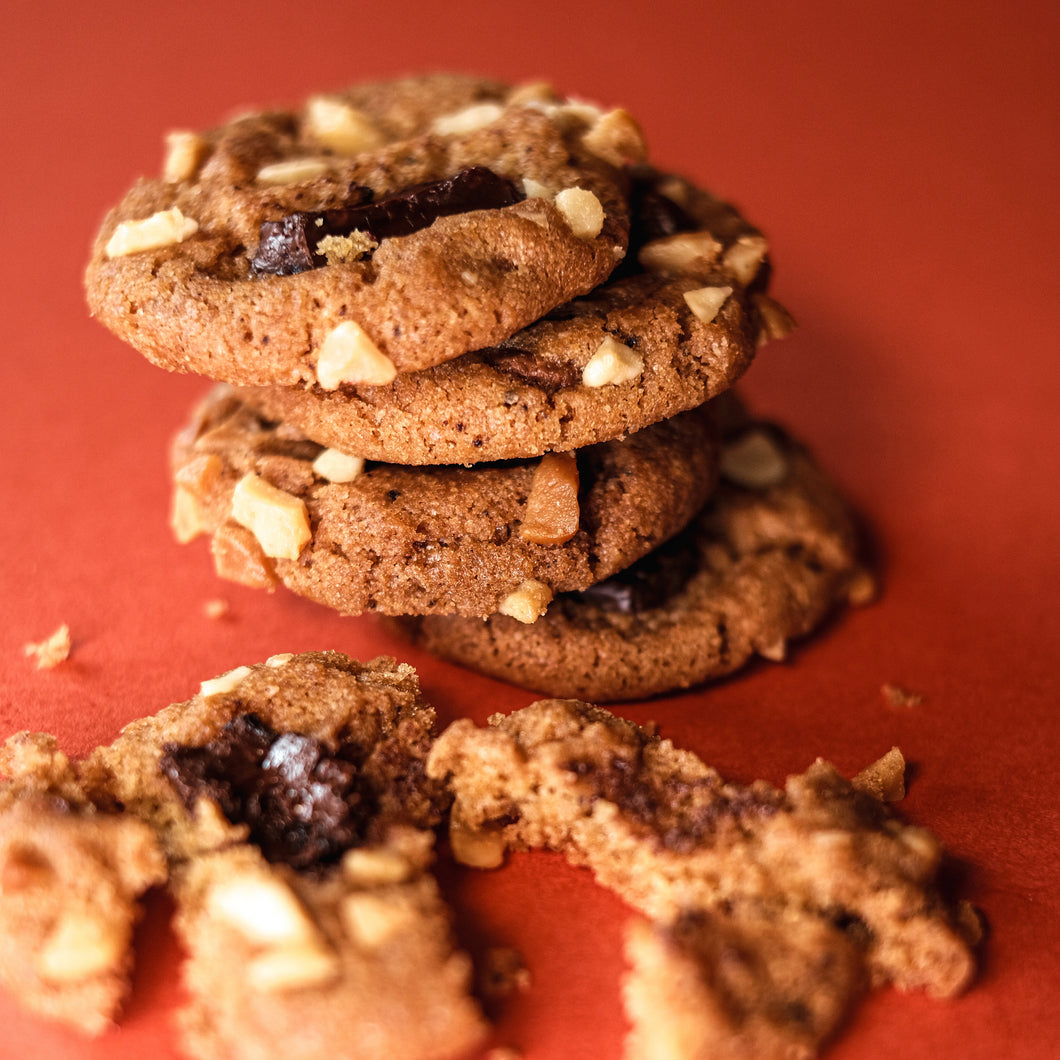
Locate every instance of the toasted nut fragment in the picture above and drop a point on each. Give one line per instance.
(775, 321)
(922, 843)
(744, 258)
(79, 947)
(200, 474)
(184, 154)
(616, 138)
(292, 968)
(898, 696)
(706, 302)
(581, 210)
(680, 253)
(340, 250)
(338, 467)
(348, 355)
(534, 189)
(52, 650)
(277, 519)
(475, 848)
(862, 588)
(262, 909)
(185, 515)
(477, 116)
(611, 364)
(340, 127)
(237, 557)
(527, 603)
(375, 866)
(754, 461)
(532, 92)
(552, 512)
(224, 683)
(371, 919)
(885, 778)
(292, 171)
(775, 652)
(162, 229)
(280, 659)
(216, 608)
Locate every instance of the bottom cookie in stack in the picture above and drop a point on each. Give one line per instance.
(772, 553)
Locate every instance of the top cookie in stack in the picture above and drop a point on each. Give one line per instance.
(484, 291)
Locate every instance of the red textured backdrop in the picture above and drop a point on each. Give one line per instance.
(903, 158)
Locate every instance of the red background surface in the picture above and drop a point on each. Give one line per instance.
(903, 158)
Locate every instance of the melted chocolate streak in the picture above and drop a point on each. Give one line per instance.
(288, 246)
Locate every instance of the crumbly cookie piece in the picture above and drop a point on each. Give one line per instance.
(653, 341)
(725, 985)
(377, 230)
(292, 801)
(404, 540)
(673, 838)
(773, 551)
(71, 876)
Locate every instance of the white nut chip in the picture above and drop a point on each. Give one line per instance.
(278, 520)
(477, 116)
(340, 127)
(371, 919)
(80, 947)
(528, 602)
(375, 867)
(292, 171)
(184, 154)
(348, 355)
(263, 910)
(744, 258)
(219, 686)
(679, 253)
(292, 968)
(616, 138)
(337, 466)
(612, 363)
(162, 229)
(754, 461)
(706, 302)
(582, 211)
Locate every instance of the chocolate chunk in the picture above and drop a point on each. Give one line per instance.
(648, 583)
(525, 367)
(304, 805)
(290, 245)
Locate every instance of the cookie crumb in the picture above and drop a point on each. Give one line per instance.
(52, 650)
(897, 696)
(505, 1052)
(215, 609)
(503, 973)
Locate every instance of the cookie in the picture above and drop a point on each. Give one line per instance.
(382, 229)
(821, 865)
(773, 551)
(660, 338)
(418, 540)
(71, 877)
(292, 801)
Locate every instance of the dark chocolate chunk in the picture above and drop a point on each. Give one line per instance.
(290, 245)
(525, 367)
(648, 583)
(303, 805)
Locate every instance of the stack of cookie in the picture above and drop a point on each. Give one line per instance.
(475, 356)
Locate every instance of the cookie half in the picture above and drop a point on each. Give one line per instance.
(418, 540)
(773, 551)
(382, 229)
(292, 801)
(780, 903)
(671, 330)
